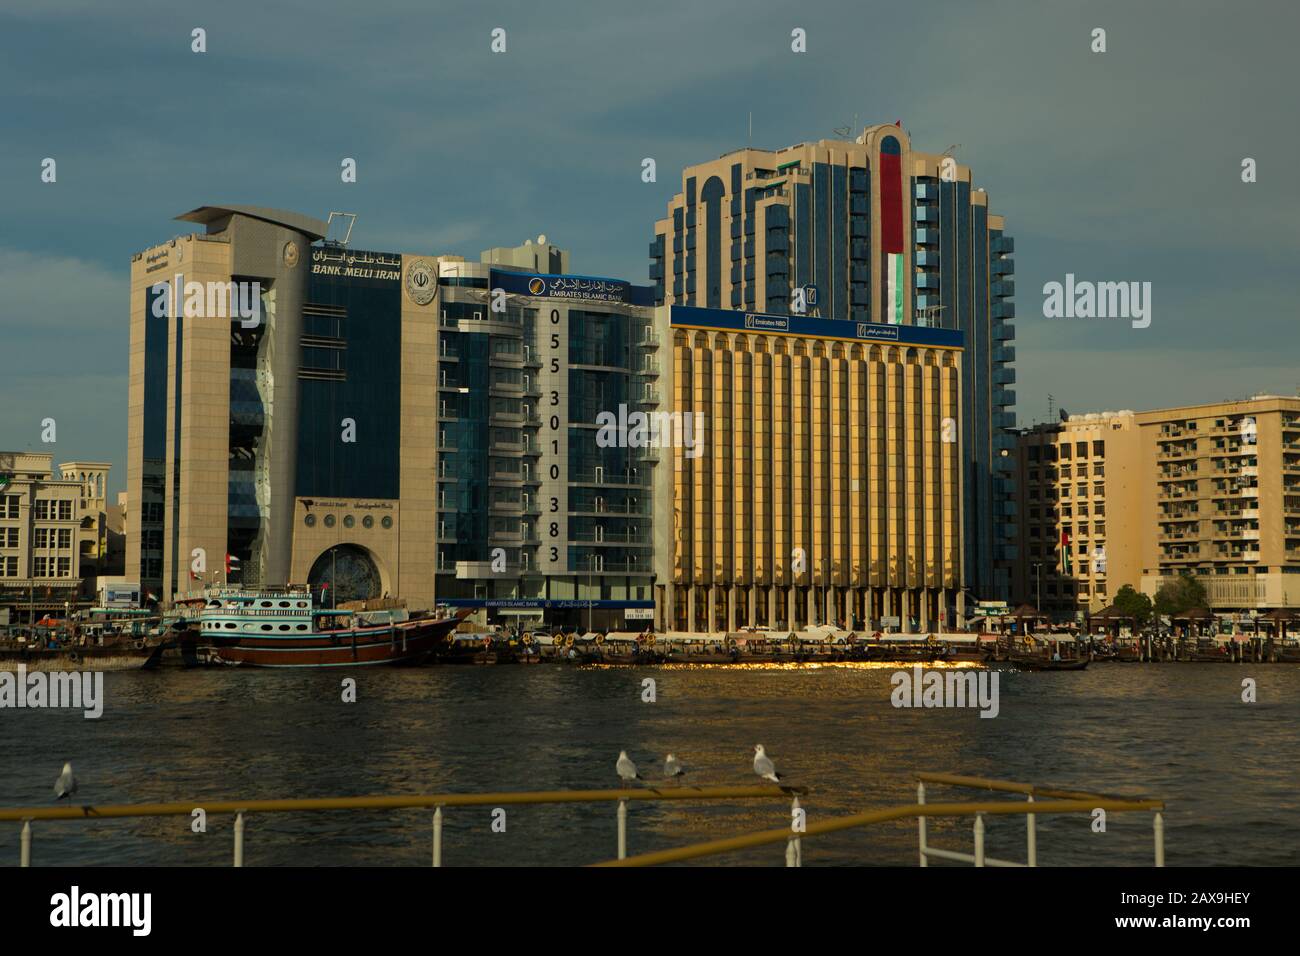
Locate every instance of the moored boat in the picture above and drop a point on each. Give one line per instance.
(1032, 662)
(111, 655)
(284, 628)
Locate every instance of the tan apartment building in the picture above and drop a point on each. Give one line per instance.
(1224, 500)
(1212, 490)
(1079, 485)
(40, 537)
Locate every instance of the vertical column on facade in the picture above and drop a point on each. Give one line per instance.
(931, 436)
(742, 409)
(781, 575)
(893, 468)
(874, 465)
(820, 500)
(841, 509)
(857, 475)
(799, 464)
(683, 466)
(949, 392)
(761, 393)
(723, 472)
(701, 488)
(913, 497)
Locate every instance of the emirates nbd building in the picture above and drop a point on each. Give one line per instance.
(867, 231)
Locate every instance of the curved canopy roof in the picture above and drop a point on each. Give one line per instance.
(307, 225)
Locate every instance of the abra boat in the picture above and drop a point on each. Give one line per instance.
(1033, 662)
(284, 628)
(107, 654)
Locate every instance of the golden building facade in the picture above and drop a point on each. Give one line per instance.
(828, 487)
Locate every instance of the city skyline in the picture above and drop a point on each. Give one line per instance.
(459, 177)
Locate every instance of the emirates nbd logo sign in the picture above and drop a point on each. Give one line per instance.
(766, 323)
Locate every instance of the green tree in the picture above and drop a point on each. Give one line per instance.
(1183, 594)
(1137, 605)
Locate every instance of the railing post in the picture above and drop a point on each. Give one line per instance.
(979, 839)
(795, 841)
(239, 839)
(920, 824)
(25, 845)
(1159, 823)
(437, 836)
(622, 829)
(1031, 835)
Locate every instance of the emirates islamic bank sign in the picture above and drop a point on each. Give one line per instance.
(578, 288)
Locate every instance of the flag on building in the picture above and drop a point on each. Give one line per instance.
(232, 564)
(1065, 551)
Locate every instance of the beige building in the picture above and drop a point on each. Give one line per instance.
(1079, 485)
(267, 373)
(41, 535)
(1212, 490)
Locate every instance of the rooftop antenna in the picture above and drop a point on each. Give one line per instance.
(351, 217)
(751, 127)
(1051, 401)
(952, 149)
(843, 131)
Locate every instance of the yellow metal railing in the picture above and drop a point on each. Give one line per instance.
(27, 815)
(1067, 801)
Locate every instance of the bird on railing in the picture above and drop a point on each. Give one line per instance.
(763, 765)
(673, 768)
(626, 768)
(66, 785)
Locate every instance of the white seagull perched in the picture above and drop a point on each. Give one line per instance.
(673, 768)
(66, 785)
(626, 768)
(763, 765)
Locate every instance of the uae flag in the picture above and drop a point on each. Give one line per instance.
(1065, 551)
(232, 564)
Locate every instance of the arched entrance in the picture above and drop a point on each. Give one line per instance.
(350, 572)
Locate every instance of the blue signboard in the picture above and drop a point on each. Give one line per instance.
(576, 288)
(686, 315)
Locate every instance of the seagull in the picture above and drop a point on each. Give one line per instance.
(66, 785)
(763, 765)
(673, 768)
(626, 768)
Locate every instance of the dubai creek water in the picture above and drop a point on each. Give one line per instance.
(1229, 771)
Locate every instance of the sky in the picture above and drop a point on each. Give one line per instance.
(1117, 166)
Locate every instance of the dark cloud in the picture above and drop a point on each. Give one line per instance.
(1115, 166)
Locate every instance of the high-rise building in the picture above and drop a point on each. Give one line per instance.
(541, 512)
(823, 483)
(866, 231)
(385, 423)
(1141, 498)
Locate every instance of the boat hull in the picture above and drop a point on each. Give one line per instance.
(113, 658)
(410, 642)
